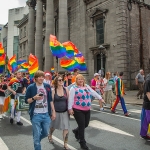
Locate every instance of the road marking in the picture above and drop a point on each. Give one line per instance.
(55, 138)
(130, 110)
(3, 146)
(116, 115)
(103, 126)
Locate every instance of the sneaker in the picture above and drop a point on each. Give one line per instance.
(127, 114)
(146, 137)
(113, 111)
(76, 134)
(19, 123)
(11, 120)
(101, 109)
(84, 147)
(1, 117)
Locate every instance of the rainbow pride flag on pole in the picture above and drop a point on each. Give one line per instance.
(13, 63)
(32, 59)
(56, 47)
(9, 67)
(33, 68)
(1, 49)
(20, 61)
(82, 65)
(25, 66)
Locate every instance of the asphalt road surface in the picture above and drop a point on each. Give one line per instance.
(106, 131)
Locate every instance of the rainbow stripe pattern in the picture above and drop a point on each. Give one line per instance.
(9, 67)
(68, 64)
(13, 63)
(81, 63)
(25, 65)
(2, 59)
(52, 69)
(1, 49)
(32, 59)
(12, 81)
(71, 49)
(33, 68)
(57, 49)
(119, 87)
(2, 69)
(20, 61)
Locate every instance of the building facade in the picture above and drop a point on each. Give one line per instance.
(1, 28)
(111, 34)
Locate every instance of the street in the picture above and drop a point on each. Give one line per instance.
(106, 131)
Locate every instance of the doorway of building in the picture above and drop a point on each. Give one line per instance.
(101, 61)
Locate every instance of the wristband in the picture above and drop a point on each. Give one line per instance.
(33, 99)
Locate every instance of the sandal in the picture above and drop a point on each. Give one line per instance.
(50, 139)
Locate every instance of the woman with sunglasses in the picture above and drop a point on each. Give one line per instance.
(60, 98)
(79, 105)
(3, 87)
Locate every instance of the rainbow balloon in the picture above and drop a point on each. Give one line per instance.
(81, 63)
(56, 47)
(71, 49)
(68, 64)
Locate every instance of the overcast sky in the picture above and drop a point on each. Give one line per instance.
(9, 4)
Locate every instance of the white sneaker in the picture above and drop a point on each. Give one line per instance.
(4, 115)
(1, 117)
(101, 109)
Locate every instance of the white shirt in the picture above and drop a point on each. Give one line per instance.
(72, 95)
(47, 81)
(43, 102)
(107, 87)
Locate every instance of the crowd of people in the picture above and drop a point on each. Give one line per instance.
(53, 97)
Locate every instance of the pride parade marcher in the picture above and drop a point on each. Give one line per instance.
(47, 78)
(60, 99)
(26, 80)
(95, 88)
(119, 95)
(79, 105)
(75, 73)
(41, 108)
(3, 87)
(21, 90)
(145, 115)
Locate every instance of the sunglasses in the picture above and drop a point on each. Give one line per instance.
(60, 80)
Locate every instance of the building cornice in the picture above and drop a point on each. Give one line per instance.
(88, 1)
(23, 20)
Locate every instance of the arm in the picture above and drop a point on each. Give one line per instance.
(136, 79)
(71, 100)
(11, 90)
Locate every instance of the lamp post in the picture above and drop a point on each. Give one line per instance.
(101, 47)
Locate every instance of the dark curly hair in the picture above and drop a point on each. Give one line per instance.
(56, 81)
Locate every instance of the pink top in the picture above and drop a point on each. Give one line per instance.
(93, 83)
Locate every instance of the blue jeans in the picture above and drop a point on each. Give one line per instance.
(40, 127)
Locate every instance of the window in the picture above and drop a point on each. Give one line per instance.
(20, 33)
(56, 27)
(101, 60)
(20, 54)
(16, 11)
(16, 22)
(100, 31)
(24, 49)
(24, 31)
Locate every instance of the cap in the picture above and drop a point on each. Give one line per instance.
(47, 74)
(96, 74)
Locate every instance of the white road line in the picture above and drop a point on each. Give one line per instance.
(130, 110)
(115, 115)
(3, 146)
(104, 126)
(55, 138)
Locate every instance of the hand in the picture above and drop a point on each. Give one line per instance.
(37, 97)
(23, 92)
(103, 101)
(14, 93)
(53, 117)
(71, 112)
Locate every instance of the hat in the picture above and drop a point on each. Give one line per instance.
(47, 74)
(96, 74)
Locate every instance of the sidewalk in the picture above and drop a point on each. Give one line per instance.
(130, 98)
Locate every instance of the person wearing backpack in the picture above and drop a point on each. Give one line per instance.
(60, 99)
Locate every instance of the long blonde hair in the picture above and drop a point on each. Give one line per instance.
(107, 76)
(80, 76)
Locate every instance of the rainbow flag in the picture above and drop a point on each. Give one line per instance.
(25, 65)
(52, 69)
(81, 63)
(20, 61)
(56, 47)
(12, 81)
(32, 59)
(13, 63)
(33, 68)
(1, 49)
(71, 49)
(2, 59)
(9, 67)
(68, 64)
(78, 54)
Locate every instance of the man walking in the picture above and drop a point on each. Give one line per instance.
(119, 95)
(139, 80)
(39, 98)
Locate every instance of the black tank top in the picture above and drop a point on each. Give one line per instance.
(61, 102)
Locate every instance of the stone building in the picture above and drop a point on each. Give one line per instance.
(111, 34)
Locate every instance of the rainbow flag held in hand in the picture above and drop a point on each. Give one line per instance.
(56, 47)
(33, 68)
(25, 66)
(82, 65)
(1, 49)
(20, 61)
(12, 81)
(9, 67)
(68, 64)
(78, 54)
(13, 63)
(71, 49)
(32, 59)
(2, 69)
(52, 69)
